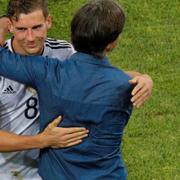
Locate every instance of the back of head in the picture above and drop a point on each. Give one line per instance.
(17, 7)
(95, 25)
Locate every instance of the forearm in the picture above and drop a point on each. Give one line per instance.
(52, 136)
(10, 142)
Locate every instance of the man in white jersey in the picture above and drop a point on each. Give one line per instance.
(30, 23)
(19, 104)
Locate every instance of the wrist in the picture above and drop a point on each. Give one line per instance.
(133, 74)
(42, 140)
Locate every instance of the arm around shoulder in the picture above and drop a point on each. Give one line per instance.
(24, 69)
(143, 85)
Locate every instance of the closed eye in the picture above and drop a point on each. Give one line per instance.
(37, 27)
(21, 28)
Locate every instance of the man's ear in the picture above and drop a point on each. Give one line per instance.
(49, 21)
(111, 45)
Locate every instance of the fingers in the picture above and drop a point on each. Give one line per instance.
(69, 144)
(75, 136)
(72, 130)
(74, 143)
(137, 88)
(67, 139)
(71, 139)
(133, 81)
(139, 101)
(140, 95)
(75, 139)
(138, 91)
(59, 137)
(142, 90)
(55, 122)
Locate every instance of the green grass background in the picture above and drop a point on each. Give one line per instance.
(150, 44)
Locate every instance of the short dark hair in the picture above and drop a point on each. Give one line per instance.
(17, 7)
(95, 25)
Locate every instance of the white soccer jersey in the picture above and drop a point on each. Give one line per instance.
(19, 114)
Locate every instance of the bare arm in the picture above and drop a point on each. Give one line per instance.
(143, 87)
(10, 142)
(52, 136)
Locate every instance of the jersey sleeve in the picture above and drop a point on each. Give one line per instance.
(25, 69)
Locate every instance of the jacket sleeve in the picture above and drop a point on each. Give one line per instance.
(25, 69)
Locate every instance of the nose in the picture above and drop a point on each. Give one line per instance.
(30, 35)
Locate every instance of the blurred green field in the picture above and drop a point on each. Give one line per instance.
(149, 44)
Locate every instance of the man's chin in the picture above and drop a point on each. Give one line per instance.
(32, 52)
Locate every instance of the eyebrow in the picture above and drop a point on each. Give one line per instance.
(37, 26)
(34, 27)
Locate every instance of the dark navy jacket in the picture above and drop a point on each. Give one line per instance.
(88, 92)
